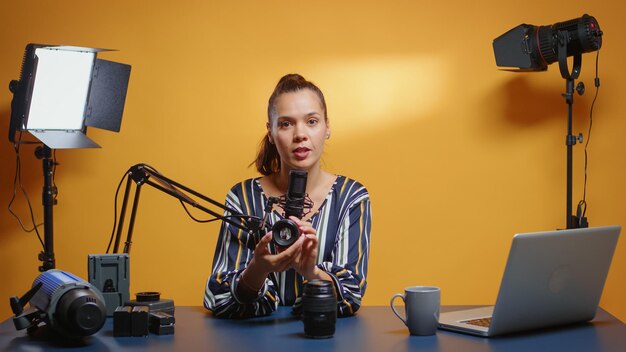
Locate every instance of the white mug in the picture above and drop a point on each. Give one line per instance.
(421, 307)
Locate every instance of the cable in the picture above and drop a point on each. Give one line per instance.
(115, 210)
(192, 217)
(213, 219)
(18, 180)
(55, 191)
(582, 205)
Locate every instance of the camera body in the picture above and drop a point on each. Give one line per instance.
(285, 231)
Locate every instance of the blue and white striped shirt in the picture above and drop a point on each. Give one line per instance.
(343, 224)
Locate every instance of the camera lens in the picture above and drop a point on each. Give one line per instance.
(285, 232)
(319, 309)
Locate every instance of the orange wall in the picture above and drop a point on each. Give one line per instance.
(457, 155)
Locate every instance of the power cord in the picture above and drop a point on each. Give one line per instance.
(17, 180)
(582, 205)
(115, 211)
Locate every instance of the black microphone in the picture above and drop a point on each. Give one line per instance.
(285, 232)
(296, 193)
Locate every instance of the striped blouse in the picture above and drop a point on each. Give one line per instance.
(342, 222)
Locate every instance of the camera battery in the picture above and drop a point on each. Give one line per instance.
(110, 273)
(161, 323)
(139, 321)
(121, 321)
(161, 318)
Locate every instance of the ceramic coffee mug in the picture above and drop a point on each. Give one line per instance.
(421, 307)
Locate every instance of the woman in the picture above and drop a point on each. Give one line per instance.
(251, 276)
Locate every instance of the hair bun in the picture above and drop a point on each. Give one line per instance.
(291, 77)
(292, 82)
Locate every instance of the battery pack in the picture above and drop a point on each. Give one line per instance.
(110, 273)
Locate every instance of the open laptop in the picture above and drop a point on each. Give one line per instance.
(551, 278)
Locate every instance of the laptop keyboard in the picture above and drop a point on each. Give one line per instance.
(484, 322)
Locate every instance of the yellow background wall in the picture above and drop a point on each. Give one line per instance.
(457, 155)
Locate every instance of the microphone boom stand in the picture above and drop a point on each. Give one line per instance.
(140, 175)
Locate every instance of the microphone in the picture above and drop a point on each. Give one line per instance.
(285, 232)
(296, 194)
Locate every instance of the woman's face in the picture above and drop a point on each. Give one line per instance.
(299, 129)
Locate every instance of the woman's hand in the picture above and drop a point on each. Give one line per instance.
(301, 255)
(268, 262)
(306, 262)
(263, 262)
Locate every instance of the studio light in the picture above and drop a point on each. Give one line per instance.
(61, 91)
(533, 48)
(64, 89)
(68, 304)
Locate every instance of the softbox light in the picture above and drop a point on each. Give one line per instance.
(64, 89)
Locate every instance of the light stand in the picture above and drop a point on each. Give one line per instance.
(48, 199)
(571, 221)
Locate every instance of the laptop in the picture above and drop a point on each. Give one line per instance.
(551, 278)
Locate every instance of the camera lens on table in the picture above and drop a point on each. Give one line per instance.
(319, 309)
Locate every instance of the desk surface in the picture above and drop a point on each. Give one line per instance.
(373, 329)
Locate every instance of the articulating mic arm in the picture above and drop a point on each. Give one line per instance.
(142, 174)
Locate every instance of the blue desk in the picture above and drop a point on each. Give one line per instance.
(373, 329)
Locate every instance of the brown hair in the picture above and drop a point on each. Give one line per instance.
(267, 160)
